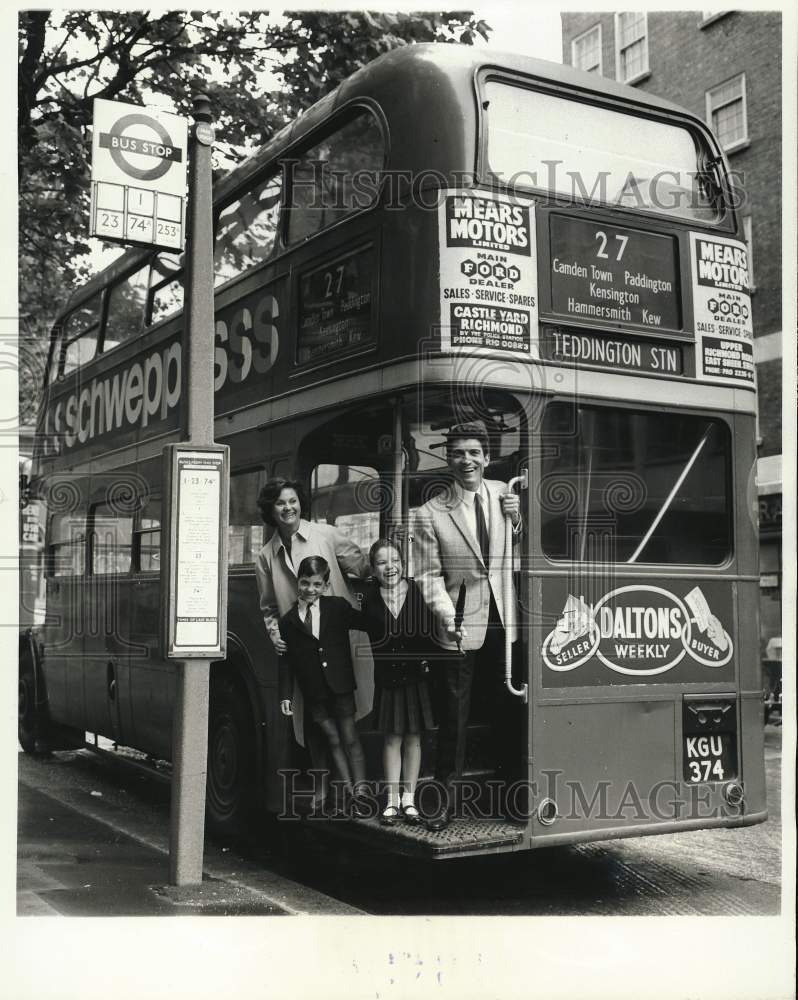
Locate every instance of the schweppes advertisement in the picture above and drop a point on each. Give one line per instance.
(638, 633)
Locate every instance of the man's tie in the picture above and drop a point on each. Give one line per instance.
(482, 529)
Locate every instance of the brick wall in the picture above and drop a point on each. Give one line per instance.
(769, 387)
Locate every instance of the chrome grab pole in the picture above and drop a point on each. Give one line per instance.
(507, 593)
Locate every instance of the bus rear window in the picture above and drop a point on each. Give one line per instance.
(626, 487)
(585, 152)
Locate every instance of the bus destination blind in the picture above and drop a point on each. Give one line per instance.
(335, 307)
(613, 275)
(629, 354)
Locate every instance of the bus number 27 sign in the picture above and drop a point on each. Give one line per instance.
(138, 175)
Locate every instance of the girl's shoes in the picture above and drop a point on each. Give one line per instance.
(411, 815)
(389, 816)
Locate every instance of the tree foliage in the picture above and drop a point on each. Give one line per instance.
(259, 72)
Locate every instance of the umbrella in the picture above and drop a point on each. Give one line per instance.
(459, 610)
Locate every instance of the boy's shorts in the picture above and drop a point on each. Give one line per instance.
(335, 706)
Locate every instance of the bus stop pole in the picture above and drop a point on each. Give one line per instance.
(190, 725)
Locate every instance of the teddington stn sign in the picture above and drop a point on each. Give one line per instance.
(138, 175)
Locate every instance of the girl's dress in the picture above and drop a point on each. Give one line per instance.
(402, 649)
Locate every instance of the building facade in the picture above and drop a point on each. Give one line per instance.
(724, 66)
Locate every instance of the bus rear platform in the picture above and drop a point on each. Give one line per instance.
(463, 836)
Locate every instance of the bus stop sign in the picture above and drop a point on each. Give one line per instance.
(138, 175)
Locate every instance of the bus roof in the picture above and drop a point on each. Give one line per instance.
(437, 65)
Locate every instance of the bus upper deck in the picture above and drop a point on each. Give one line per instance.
(341, 282)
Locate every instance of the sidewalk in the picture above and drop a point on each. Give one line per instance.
(80, 856)
(73, 865)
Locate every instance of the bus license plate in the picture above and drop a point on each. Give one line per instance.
(709, 758)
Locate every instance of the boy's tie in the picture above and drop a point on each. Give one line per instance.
(308, 620)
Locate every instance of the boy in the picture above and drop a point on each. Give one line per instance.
(316, 634)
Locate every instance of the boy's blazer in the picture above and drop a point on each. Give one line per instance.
(446, 553)
(324, 664)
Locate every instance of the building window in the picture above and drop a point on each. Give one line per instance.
(749, 242)
(631, 45)
(727, 113)
(586, 51)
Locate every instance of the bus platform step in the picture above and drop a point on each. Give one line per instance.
(461, 837)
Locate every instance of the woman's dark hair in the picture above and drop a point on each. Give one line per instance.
(313, 566)
(270, 493)
(383, 543)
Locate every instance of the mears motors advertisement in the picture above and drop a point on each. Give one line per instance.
(639, 634)
(722, 307)
(488, 274)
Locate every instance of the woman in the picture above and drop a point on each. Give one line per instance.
(282, 504)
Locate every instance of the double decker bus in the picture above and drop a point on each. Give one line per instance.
(450, 235)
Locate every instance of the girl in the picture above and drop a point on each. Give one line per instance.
(399, 626)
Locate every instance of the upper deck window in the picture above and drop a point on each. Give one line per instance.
(78, 342)
(166, 287)
(247, 230)
(127, 302)
(585, 152)
(335, 177)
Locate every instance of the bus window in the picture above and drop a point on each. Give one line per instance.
(67, 548)
(654, 486)
(247, 230)
(112, 541)
(584, 151)
(246, 532)
(166, 287)
(126, 307)
(79, 339)
(349, 497)
(148, 536)
(336, 177)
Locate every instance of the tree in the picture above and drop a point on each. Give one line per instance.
(66, 59)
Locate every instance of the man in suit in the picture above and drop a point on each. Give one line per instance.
(459, 536)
